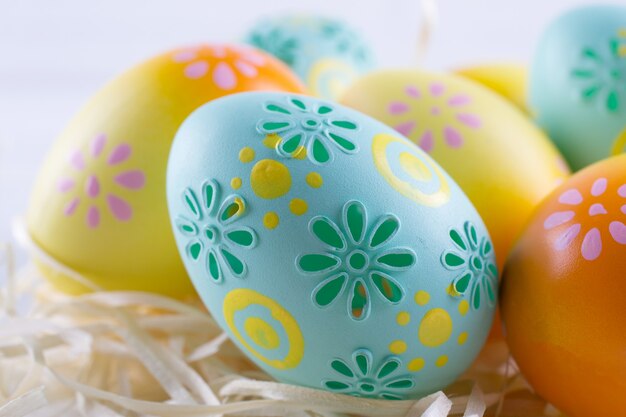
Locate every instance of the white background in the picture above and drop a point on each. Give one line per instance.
(54, 54)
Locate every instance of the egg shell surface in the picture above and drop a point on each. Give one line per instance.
(333, 251)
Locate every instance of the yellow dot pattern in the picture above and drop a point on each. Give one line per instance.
(314, 180)
(435, 328)
(441, 361)
(246, 155)
(462, 338)
(403, 318)
(463, 307)
(397, 347)
(422, 298)
(235, 183)
(416, 365)
(270, 179)
(271, 220)
(271, 141)
(298, 206)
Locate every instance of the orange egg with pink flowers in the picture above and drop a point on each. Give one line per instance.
(563, 294)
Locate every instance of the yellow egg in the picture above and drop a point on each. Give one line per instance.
(503, 162)
(98, 207)
(508, 80)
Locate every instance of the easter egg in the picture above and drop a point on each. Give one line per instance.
(508, 80)
(326, 53)
(498, 157)
(578, 83)
(334, 252)
(562, 294)
(99, 206)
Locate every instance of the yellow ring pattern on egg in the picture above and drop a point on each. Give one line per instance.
(330, 77)
(619, 146)
(238, 300)
(416, 166)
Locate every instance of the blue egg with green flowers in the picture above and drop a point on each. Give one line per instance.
(326, 53)
(333, 251)
(578, 83)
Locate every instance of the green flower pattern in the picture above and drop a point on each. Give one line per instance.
(602, 74)
(277, 43)
(472, 258)
(212, 231)
(360, 379)
(313, 126)
(356, 260)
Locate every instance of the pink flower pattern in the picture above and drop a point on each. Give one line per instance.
(92, 191)
(440, 105)
(591, 246)
(231, 61)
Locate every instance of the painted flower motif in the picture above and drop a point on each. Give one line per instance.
(212, 231)
(308, 127)
(224, 63)
(440, 105)
(601, 74)
(277, 43)
(473, 259)
(572, 219)
(360, 379)
(356, 260)
(91, 170)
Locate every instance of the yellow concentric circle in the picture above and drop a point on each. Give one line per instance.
(330, 77)
(238, 300)
(417, 166)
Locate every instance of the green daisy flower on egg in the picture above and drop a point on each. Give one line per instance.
(312, 127)
(360, 379)
(472, 258)
(213, 233)
(602, 74)
(355, 261)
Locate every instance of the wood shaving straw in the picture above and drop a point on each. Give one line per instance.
(134, 354)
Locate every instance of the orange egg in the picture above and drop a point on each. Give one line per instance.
(563, 294)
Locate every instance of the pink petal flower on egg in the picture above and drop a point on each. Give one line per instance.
(451, 107)
(224, 77)
(592, 245)
(131, 180)
(592, 241)
(70, 208)
(93, 217)
(119, 154)
(405, 128)
(398, 107)
(196, 70)
(98, 145)
(426, 141)
(119, 207)
(453, 137)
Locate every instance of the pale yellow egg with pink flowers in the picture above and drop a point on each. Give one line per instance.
(502, 161)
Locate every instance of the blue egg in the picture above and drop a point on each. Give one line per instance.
(578, 83)
(335, 253)
(325, 53)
